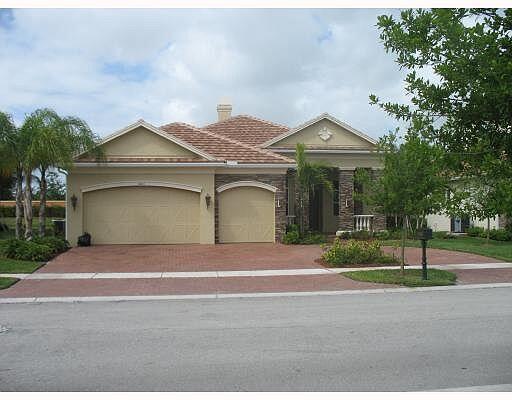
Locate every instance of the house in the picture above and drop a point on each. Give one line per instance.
(226, 182)
(229, 181)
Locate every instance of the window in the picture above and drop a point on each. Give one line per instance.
(336, 198)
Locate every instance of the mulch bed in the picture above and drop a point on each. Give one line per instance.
(327, 265)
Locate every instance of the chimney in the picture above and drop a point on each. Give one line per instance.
(224, 111)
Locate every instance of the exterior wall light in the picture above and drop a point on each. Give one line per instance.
(74, 201)
(208, 200)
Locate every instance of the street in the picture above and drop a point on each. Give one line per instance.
(362, 342)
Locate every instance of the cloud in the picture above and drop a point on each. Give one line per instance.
(112, 67)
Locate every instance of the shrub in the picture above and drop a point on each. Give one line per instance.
(355, 252)
(57, 244)
(291, 237)
(38, 249)
(51, 211)
(500, 234)
(382, 235)
(313, 238)
(443, 235)
(29, 251)
(475, 231)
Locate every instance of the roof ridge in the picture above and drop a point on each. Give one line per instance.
(251, 117)
(219, 136)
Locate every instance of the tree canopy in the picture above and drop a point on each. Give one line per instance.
(459, 79)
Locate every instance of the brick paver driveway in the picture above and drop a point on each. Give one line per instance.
(223, 257)
(178, 258)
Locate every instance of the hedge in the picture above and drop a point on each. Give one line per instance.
(51, 211)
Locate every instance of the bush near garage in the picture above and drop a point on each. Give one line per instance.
(38, 249)
(292, 236)
(51, 211)
(356, 252)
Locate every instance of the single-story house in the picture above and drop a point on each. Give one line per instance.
(226, 182)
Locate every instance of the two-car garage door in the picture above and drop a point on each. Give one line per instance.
(142, 215)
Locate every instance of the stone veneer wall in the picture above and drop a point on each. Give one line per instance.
(346, 217)
(277, 180)
(346, 190)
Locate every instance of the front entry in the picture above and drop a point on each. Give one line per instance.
(315, 209)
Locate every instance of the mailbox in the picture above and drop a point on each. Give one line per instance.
(424, 234)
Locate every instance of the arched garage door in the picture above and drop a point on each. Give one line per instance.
(246, 214)
(142, 215)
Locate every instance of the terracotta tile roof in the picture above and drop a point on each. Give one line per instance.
(143, 159)
(247, 129)
(223, 148)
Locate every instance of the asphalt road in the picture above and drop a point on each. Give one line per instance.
(394, 341)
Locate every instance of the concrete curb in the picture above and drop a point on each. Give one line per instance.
(35, 300)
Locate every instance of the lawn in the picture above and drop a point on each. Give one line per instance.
(6, 282)
(8, 266)
(475, 245)
(411, 278)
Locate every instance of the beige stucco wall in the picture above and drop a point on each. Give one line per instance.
(309, 136)
(81, 177)
(344, 161)
(141, 142)
(441, 222)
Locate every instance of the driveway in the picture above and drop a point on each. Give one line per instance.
(220, 257)
(181, 258)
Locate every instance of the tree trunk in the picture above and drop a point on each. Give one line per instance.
(28, 206)
(488, 231)
(19, 203)
(402, 244)
(42, 202)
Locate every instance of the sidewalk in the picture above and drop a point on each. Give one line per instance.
(214, 283)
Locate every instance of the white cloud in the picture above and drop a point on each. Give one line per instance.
(166, 65)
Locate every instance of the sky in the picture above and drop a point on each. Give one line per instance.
(113, 67)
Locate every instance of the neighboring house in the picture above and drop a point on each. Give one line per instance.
(230, 181)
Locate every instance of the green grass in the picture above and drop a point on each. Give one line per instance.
(475, 245)
(9, 266)
(6, 282)
(411, 278)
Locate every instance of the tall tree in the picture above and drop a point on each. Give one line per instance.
(412, 182)
(459, 80)
(12, 151)
(309, 174)
(53, 141)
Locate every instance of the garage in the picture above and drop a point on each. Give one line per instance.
(142, 215)
(246, 213)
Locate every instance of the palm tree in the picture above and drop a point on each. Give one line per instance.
(11, 162)
(309, 175)
(53, 141)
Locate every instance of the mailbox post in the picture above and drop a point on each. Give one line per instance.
(424, 235)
